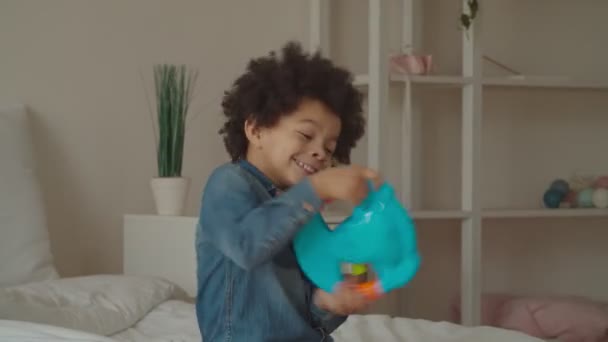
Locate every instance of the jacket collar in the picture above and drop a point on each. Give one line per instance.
(261, 177)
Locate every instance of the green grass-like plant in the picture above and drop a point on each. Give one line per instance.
(174, 85)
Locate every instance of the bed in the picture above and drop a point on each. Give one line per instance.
(36, 304)
(133, 308)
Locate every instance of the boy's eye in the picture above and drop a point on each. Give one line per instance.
(307, 136)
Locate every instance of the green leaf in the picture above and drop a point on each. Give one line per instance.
(174, 86)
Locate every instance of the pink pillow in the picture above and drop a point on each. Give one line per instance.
(565, 318)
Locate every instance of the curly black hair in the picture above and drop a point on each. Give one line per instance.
(273, 86)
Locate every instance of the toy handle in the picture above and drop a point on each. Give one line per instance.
(371, 290)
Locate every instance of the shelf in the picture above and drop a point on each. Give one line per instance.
(543, 82)
(439, 214)
(480, 95)
(333, 218)
(492, 213)
(362, 80)
(432, 79)
(540, 213)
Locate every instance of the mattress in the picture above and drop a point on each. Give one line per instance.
(137, 309)
(176, 321)
(355, 329)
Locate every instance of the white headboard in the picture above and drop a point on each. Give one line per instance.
(25, 253)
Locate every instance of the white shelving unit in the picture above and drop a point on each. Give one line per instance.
(362, 80)
(472, 84)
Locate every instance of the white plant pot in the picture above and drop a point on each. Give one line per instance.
(170, 194)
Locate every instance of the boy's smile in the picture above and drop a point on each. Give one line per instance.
(309, 169)
(298, 145)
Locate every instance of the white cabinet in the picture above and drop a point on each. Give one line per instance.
(161, 246)
(164, 246)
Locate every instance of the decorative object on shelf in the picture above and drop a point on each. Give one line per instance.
(502, 66)
(411, 64)
(561, 186)
(569, 201)
(600, 198)
(557, 191)
(516, 75)
(174, 85)
(585, 198)
(580, 182)
(552, 198)
(578, 192)
(601, 182)
(466, 19)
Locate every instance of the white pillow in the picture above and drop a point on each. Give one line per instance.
(98, 304)
(25, 253)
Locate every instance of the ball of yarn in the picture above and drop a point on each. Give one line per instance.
(600, 198)
(585, 198)
(601, 182)
(579, 183)
(552, 198)
(570, 200)
(560, 185)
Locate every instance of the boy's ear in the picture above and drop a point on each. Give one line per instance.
(252, 132)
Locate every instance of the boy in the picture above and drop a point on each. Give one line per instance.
(288, 119)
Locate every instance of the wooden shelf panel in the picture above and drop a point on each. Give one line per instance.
(540, 213)
(544, 82)
(492, 213)
(362, 80)
(334, 218)
(432, 79)
(439, 214)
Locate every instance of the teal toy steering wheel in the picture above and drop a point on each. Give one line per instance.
(379, 233)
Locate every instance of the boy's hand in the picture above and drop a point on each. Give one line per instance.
(344, 301)
(349, 183)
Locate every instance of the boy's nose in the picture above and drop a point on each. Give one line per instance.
(320, 155)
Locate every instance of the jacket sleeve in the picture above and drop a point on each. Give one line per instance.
(245, 231)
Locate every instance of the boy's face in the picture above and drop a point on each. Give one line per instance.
(299, 145)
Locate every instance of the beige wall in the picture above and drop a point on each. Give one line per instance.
(76, 64)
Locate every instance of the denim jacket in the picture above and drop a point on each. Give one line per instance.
(250, 287)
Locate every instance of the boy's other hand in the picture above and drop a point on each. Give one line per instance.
(349, 183)
(346, 300)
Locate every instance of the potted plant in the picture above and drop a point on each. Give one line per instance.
(174, 85)
(466, 19)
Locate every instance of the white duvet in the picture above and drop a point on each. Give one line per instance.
(121, 308)
(100, 304)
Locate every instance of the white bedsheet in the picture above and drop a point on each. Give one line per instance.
(141, 309)
(17, 331)
(176, 321)
(387, 329)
